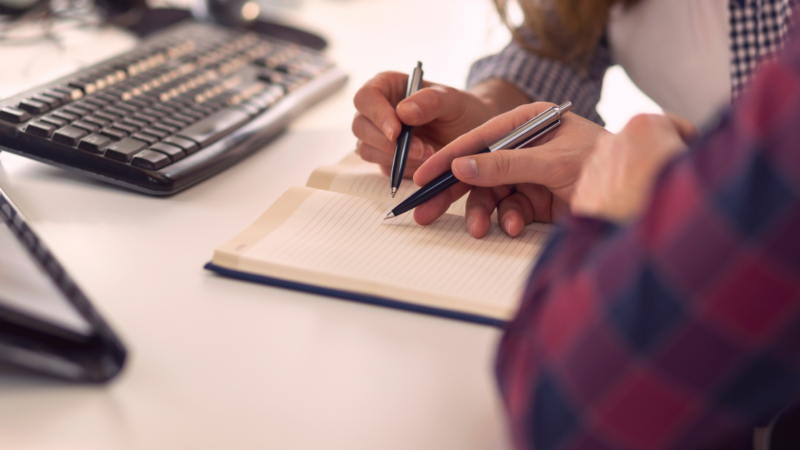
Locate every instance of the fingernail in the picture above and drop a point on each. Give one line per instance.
(410, 110)
(470, 222)
(416, 150)
(429, 151)
(507, 225)
(388, 130)
(466, 167)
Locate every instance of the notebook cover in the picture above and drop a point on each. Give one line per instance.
(356, 297)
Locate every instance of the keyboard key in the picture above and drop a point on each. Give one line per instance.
(183, 118)
(150, 160)
(154, 112)
(33, 106)
(96, 120)
(73, 93)
(80, 112)
(99, 102)
(191, 113)
(126, 107)
(60, 96)
(95, 143)
(51, 102)
(149, 138)
(134, 122)
(87, 106)
(145, 118)
(69, 135)
(118, 111)
(107, 97)
(86, 87)
(164, 127)
(130, 129)
(138, 102)
(164, 108)
(14, 115)
(55, 121)
(125, 149)
(202, 109)
(43, 129)
(175, 123)
(88, 126)
(175, 153)
(184, 144)
(65, 116)
(114, 133)
(107, 116)
(161, 134)
(215, 126)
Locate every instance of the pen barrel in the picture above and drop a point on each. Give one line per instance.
(430, 190)
(401, 155)
(414, 80)
(530, 128)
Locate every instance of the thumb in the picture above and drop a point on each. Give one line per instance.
(477, 139)
(528, 165)
(433, 103)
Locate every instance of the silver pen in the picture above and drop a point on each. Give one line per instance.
(520, 137)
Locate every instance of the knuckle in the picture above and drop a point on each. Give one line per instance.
(502, 164)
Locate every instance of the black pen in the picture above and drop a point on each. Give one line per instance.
(404, 140)
(520, 137)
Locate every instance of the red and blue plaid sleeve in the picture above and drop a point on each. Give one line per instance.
(681, 330)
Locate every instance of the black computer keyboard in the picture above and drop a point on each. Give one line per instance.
(187, 103)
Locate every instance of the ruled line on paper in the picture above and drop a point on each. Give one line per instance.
(345, 235)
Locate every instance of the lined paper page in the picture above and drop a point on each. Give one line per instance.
(341, 241)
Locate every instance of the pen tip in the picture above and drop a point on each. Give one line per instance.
(394, 191)
(389, 216)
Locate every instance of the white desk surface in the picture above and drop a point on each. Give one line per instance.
(218, 363)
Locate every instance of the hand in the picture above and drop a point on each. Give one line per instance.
(524, 185)
(438, 113)
(618, 177)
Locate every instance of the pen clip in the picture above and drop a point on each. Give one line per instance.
(539, 134)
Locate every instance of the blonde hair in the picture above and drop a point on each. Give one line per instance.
(565, 30)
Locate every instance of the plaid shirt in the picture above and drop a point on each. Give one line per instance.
(682, 329)
(758, 30)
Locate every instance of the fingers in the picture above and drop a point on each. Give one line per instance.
(480, 206)
(371, 154)
(433, 103)
(502, 167)
(477, 140)
(513, 213)
(368, 133)
(376, 100)
(431, 210)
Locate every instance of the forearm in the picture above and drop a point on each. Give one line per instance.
(678, 330)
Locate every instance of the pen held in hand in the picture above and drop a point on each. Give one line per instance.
(404, 140)
(520, 137)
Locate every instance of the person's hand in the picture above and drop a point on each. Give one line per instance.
(524, 185)
(618, 177)
(438, 113)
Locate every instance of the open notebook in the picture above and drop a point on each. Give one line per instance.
(329, 237)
